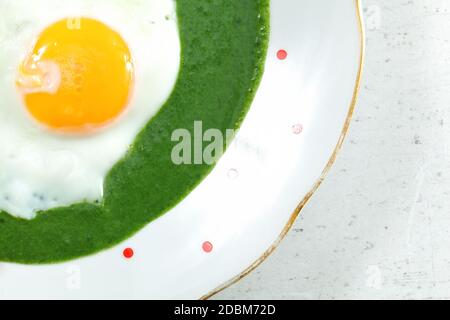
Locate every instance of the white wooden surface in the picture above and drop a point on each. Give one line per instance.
(379, 227)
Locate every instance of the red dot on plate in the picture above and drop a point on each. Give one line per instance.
(207, 246)
(128, 253)
(282, 54)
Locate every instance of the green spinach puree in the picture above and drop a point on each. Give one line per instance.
(224, 45)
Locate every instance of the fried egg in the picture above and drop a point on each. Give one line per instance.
(79, 80)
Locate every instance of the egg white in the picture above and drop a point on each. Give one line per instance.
(40, 169)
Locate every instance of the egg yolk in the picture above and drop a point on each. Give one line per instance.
(78, 77)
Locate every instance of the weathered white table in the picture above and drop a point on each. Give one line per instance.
(379, 227)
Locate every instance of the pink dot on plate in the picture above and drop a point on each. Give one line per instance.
(297, 128)
(282, 54)
(207, 246)
(128, 253)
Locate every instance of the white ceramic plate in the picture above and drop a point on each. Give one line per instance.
(245, 206)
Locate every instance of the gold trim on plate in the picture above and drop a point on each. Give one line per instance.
(305, 200)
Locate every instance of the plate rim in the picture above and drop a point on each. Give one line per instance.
(332, 159)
